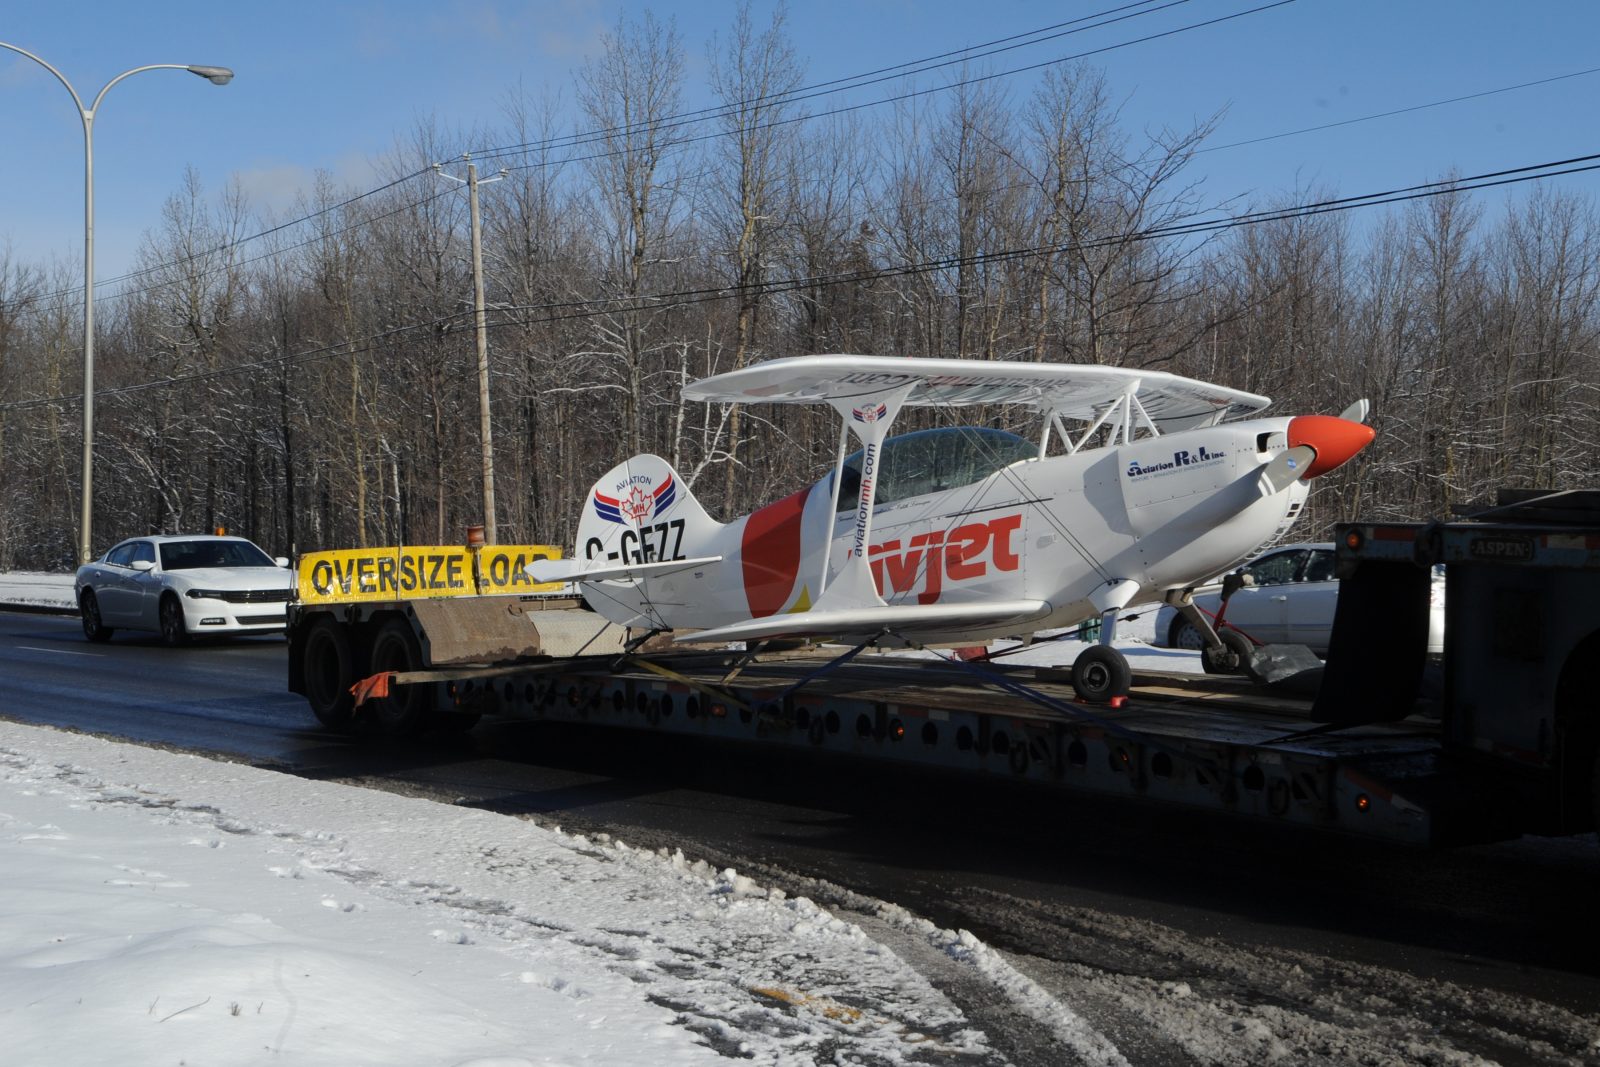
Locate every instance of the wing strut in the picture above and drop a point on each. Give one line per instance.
(833, 507)
(869, 416)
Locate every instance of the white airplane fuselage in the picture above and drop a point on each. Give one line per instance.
(1165, 512)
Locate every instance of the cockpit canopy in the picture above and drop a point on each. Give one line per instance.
(931, 461)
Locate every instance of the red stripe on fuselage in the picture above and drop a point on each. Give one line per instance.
(770, 554)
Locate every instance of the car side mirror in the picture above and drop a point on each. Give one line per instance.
(1232, 583)
(143, 565)
(282, 561)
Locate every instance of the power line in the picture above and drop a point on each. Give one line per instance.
(584, 136)
(1399, 111)
(883, 74)
(582, 308)
(963, 83)
(672, 122)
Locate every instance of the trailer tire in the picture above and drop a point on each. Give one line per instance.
(1100, 674)
(406, 710)
(329, 670)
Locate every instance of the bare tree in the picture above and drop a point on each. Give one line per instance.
(752, 75)
(629, 93)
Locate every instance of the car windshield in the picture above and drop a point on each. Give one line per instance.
(1276, 569)
(187, 555)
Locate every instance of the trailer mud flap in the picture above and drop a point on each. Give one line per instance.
(1379, 645)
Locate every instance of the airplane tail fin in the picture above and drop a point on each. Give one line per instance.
(641, 511)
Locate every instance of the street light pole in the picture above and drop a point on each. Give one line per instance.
(215, 75)
(485, 424)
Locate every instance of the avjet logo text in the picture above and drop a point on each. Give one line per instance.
(964, 553)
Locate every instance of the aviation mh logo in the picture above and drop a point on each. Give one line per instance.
(636, 501)
(870, 414)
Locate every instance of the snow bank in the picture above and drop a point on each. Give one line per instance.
(37, 590)
(160, 907)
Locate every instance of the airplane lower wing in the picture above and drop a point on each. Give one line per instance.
(582, 570)
(908, 619)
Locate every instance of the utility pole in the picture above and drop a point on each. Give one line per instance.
(214, 75)
(485, 428)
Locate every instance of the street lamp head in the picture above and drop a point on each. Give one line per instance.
(215, 75)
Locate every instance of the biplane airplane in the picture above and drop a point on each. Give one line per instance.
(1135, 489)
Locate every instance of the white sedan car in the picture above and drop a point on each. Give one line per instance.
(1291, 601)
(183, 586)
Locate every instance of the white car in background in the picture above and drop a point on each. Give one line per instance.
(1291, 601)
(183, 586)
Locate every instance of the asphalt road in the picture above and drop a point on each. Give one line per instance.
(1094, 900)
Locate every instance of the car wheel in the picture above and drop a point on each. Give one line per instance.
(173, 630)
(1183, 635)
(1100, 674)
(94, 628)
(1231, 658)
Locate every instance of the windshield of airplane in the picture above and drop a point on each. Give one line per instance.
(931, 461)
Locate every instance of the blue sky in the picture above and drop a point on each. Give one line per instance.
(333, 84)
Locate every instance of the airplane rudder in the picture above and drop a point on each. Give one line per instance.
(639, 493)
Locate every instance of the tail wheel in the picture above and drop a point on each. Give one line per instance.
(405, 711)
(329, 669)
(174, 631)
(94, 627)
(1100, 674)
(1231, 658)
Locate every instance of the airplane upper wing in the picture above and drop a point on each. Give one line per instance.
(908, 619)
(1076, 391)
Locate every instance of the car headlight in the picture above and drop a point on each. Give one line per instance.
(203, 594)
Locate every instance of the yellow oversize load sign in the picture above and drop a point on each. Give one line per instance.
(412, 572)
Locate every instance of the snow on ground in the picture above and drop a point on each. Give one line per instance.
(166, 908)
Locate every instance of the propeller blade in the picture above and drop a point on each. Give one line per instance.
(1357, 412)
(1286, 469)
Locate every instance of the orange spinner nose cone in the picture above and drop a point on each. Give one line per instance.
(1333, 439)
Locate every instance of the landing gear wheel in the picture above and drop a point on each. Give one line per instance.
(328, 666)
(1231, 658)
(173, 630)
(1100, 674)
(94, 628)
(405, 711)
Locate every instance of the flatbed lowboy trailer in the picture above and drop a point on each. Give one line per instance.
(1498, 740)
